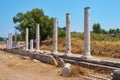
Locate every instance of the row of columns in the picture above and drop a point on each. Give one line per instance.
(31, 41)
(55, 36)
(68, 35)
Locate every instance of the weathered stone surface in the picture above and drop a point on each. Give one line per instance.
(55, 37)
(60, 61)
(116, 75)
(46, 58)
(66, 69)
(68, 36)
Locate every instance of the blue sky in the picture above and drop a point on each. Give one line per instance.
(106, 12)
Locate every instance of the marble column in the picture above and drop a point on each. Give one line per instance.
(68, 35)
(31, 44)
(86, 33)
(7, 44)
(26, 39)
(37, 37)
(10, 40)
(55, 36)
(15, 40)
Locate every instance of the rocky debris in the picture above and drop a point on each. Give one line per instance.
(34, 55)
(116, 75)
(46, 58)
(60, 61)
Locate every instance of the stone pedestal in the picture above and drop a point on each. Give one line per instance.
(68, 36)
(37, 37)
(55, 36)
(26, 39)
(86, 34)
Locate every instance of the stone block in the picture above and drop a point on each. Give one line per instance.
(46, 58)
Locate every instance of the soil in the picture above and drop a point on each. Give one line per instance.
(15, 67)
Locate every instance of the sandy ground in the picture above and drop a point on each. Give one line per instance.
(14, 67)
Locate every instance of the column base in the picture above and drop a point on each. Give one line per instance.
(86, 56)
(26, 49)
(32, 50)
(39, 51)
(67, 54)
(54, 52)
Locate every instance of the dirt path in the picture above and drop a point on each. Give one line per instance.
(14, 67)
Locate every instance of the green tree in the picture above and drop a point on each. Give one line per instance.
(62, 33)
(117, 31)
(104, 31)
(30, 19)
(1, 39)
(112, 31)
(97, 28)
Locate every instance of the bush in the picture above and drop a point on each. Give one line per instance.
(61, 33)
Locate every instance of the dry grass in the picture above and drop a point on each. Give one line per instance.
(99, 48)
(77, 71)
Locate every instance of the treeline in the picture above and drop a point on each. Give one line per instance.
(2, 39)
(30, 18)
(97, 29)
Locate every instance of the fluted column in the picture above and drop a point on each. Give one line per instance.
(68, 35)
(55, 36)
(26, 39)
(37, 37)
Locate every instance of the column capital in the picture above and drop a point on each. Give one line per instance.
(87, 8)
(67, 13)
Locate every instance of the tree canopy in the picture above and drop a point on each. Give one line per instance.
(30, 19)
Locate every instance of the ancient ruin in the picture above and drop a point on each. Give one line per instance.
(86, 60)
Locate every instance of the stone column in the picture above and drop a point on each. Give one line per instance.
(86, 33)
(31, 44)
(7, 44)
(10, 40)
(68, 35)
(55, 36)
(26, 39)
(37, 37)
(15, 40)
